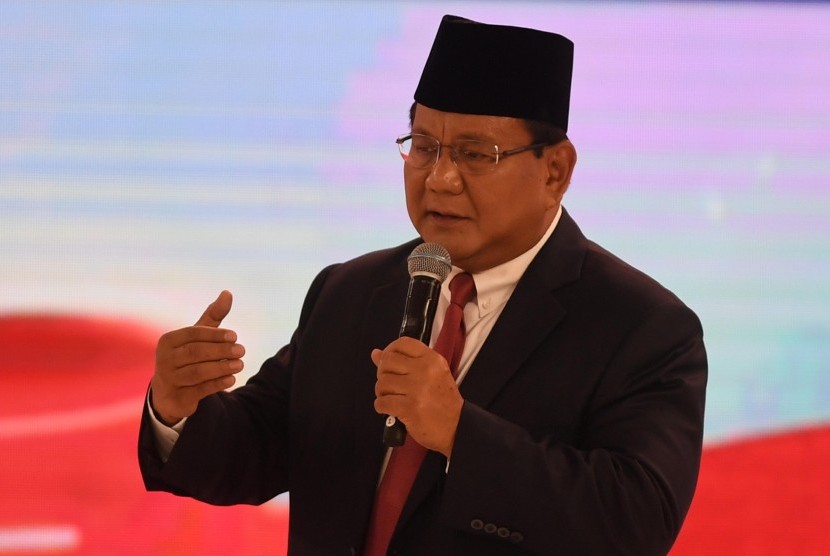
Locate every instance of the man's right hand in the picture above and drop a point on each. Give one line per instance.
(194, 362)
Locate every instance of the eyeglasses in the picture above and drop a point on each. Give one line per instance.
(469, 155)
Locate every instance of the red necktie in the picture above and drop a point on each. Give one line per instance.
(405, 461)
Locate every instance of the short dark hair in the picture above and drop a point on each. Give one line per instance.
(540, 132)
(544, 132)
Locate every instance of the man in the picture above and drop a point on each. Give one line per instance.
(574, 422)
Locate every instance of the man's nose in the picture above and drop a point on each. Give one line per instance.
(444, 175)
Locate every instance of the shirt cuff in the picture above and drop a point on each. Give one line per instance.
(166, 437)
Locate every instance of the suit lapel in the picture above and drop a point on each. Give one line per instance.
(531, 314)
(528, 318)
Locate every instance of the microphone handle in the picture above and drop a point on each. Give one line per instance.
(421, 302)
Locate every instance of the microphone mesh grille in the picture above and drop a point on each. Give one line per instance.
(430, 258)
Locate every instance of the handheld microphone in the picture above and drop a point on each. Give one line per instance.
(429, 265)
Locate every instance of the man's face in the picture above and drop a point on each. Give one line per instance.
(482, 220)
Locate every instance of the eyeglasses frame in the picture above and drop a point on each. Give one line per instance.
(454, 153)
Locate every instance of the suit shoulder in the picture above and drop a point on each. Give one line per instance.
(621, 283)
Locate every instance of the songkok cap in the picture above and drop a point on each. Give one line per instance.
(498, 70)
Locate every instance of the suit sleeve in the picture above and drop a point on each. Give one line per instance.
(234, 448)
(623, 484)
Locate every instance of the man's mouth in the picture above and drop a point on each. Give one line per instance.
(443, 216)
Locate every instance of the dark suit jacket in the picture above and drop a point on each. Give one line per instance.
(580, 434)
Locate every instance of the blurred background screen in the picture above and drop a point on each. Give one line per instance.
(155, 153)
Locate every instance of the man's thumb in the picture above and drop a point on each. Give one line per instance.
(217, 310)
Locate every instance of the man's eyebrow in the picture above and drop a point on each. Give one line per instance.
(474, 136)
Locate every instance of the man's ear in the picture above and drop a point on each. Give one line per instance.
(561, 159)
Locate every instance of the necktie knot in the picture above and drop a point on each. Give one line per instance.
(462, 289)
(450, 342)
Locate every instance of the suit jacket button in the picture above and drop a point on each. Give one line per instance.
(490, 528)
(477, 524)
(516, 537)
(503, 532)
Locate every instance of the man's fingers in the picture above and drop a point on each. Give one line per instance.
(217, 310)
(376, 356)
(190, 334)
(213, 386)
(390, 362)
(205, 371)
(404, 356)
(182, 402)
(404, 346)
(199, 352)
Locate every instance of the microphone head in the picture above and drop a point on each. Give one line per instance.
(430, 259)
